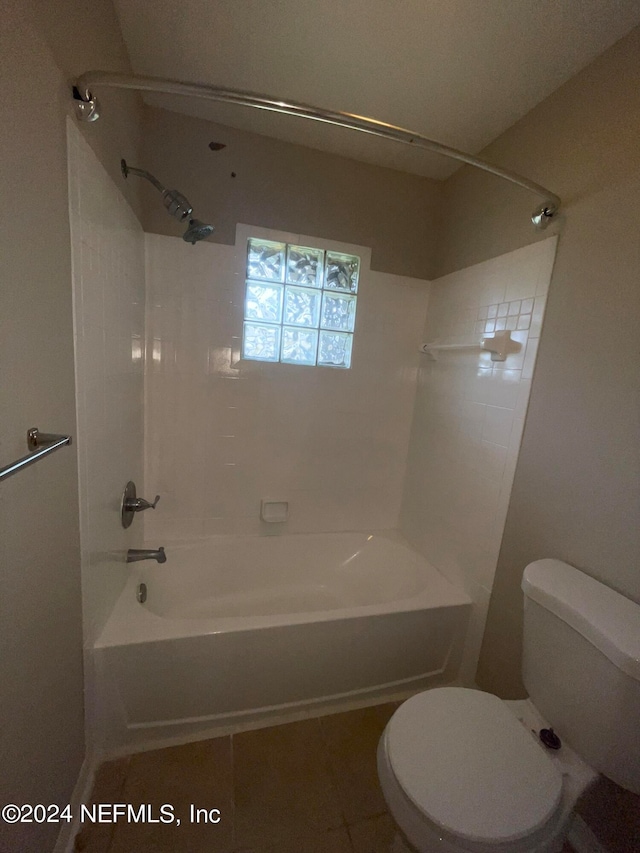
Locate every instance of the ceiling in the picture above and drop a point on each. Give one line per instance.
(458, 71)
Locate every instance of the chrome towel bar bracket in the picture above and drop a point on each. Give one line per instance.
(40, 444)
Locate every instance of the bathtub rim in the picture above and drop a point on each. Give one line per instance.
(132, 623)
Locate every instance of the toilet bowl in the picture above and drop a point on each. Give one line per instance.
(463, 771)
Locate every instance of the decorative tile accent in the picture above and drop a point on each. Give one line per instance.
(265, 260)
(512, 316)
(341, 272)
(299, 346)
(338, 312)
(335, 349)
(261, 342)
(263, 302)
(304, 266)
(302, 306)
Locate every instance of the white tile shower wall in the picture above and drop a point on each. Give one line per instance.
(222, 434)
(108, 293)
(468, 421)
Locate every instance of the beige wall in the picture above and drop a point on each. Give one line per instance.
(41, 713)
(289, 188)
(580, 141)
(575, 494)
(85, 35)
(41, 723)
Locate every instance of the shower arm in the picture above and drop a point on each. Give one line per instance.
(87, 109)
(141, 173)
(176, 204)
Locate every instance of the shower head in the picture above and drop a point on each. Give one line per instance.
(176, 204)
(197, 230)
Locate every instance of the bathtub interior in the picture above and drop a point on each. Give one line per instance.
(229, 576)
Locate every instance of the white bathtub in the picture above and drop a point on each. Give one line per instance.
(243, 627)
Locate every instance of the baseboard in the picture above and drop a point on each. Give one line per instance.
(81, 794)
(582, 839)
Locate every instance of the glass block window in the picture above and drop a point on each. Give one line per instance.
(300, 304)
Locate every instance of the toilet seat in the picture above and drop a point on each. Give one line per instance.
(471, 769)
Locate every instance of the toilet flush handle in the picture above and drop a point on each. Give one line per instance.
(550, 739)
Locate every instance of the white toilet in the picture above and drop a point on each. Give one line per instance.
(464, 772)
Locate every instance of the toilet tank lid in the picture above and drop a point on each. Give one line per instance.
(605, 618)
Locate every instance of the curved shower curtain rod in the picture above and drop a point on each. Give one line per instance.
(87, 109)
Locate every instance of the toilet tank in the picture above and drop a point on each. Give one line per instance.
(581, 666)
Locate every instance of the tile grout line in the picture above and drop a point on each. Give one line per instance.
(333, 775)
(121, 790)
(232, 759)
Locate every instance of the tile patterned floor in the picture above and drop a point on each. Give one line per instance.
(305, 787)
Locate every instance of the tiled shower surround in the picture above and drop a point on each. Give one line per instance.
(223, 433)
(468, 421)
(108, 301)
(395, 441)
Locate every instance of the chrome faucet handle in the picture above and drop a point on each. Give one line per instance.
(140, 504)
(132, 504)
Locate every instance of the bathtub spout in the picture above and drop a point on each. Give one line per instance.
(136, 554)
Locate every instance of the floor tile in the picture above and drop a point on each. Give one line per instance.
(196, 773)
(603, 800)
(352, 741)
(283, 786)
(107, 788)
(333, 841)
(373, 835)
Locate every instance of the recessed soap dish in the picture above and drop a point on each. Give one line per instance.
(274, 512)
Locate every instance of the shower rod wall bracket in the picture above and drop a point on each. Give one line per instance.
(542, 216)
(87, 109)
